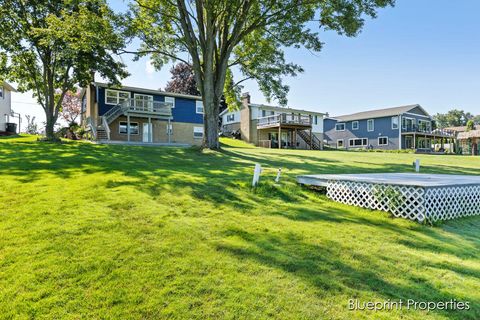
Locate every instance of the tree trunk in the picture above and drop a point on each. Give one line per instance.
(210, 119)
(49, 127)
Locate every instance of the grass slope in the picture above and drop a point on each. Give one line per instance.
(95, 231)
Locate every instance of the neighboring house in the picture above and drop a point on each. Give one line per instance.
(5, 104)
(130, 114)
(468, 140)
(405, 127)
(265, 126)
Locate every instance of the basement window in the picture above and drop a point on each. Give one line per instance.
(198, 132)
(123, 127)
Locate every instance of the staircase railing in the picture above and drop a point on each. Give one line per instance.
(92, 127)
(114, 113)
(311, 140)
(106, 127)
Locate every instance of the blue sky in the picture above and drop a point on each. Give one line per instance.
(420, 51)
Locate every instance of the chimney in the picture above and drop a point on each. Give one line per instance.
(245, 98)
(245, 118)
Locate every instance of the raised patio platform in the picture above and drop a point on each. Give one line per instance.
(415, 196)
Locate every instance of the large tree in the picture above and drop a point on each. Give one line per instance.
(248, 35)
(453, 118)
(50, 46)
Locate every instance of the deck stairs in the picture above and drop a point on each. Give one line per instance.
(311, 140)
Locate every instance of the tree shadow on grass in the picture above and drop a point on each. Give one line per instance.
(323, 266)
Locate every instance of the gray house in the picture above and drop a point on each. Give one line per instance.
(405, 127)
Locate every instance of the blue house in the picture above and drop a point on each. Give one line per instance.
(405, 127)
(130, 114)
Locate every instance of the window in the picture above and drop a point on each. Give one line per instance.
(170, 101)
(198, 132)
(355, 125)
(116, 97)
(340, 127)
(408, 123)
(169, 129)
(266, 113)
(370, 125)
(340, 143)
(231, 117)
(383, 141)
(1, 92)
(359, 142)
(394, 122)
(143, 101)
(199, 106)
(424, 125)
(123, 127)
(315, 120)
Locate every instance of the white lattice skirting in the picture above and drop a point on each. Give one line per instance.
(411, 202)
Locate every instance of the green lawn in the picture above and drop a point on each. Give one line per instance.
(112, 232)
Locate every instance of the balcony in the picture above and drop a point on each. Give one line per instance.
(420, 130)
(286, 120)
(146, 108)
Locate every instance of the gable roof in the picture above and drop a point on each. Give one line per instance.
(7, 86)
(277, 108)
(380, 113)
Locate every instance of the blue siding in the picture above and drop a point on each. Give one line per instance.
(184, 111)
(382, 128)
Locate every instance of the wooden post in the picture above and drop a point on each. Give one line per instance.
(295, 138)
(414, 142)
(128, 127)
(311, 141)
(279, 136)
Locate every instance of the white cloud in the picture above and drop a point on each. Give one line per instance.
(149, 68)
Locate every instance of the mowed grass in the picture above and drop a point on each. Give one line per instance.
(114, 232)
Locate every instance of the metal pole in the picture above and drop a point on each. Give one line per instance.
(150, 134)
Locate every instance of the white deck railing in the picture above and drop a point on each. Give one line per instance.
(284, 118)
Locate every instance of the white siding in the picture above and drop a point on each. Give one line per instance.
(236, 115)
(5, 107)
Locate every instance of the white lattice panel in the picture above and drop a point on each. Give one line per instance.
(410, 202)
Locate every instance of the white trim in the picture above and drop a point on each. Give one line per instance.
(407, 118)
(400, 132)
(398, 122)
(135, 134)
(118, 95)
(418, 115)
(343, 143)
(382, 144)
(360, 146)
(358, 125)
(172, 101)
(373, 125)
(198, 130)
(344, 126)
(197, 104)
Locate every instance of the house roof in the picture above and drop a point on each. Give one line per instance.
(277, 108)
(148, 91)
(7, 86)
(462, 128)
(284, 109)
(469, 134)
(379, 113)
